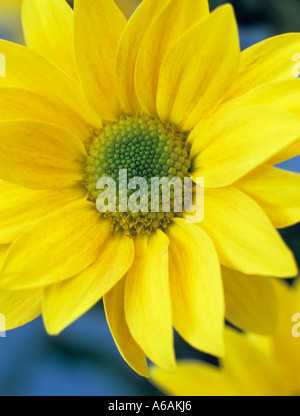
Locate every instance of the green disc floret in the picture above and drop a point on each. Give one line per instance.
(146, 148)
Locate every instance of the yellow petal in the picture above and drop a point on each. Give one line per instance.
(17, 104)
(147, 300)
(196, 288)
(65, 302)
(277, 192)
(251, 302)
(25, 69)
(20, 207)
(230, 147)
(98, 28)
(20, 307)
(250, 366)
(175, 19)
(244, 236)
(265, 62)
(287, 153)
(39, 155)
(49, 30)
(17, 307)
(115, 314)
(198, 69)
(193, 379)
(129, 47)
(55, 249)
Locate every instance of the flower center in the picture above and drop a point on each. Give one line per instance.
(144, 147)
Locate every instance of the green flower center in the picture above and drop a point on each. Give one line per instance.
(146, 148)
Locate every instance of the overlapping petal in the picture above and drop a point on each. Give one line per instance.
(174, 20)
(20, 104)
(147, 299)
(128, 50)
(196, 288)
(20, 207)
(98, 28)
(229, 147)
(277, 192)
(49, 30)
(26, 69)
(65, 302)
(39, 155)
(55, 249)
(115, 314)
(244, 236)
(198, 69)
(266, 62)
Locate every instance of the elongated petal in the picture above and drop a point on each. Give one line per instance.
(230, 147)
(26, 69)
(244, 236)
(265, 62)
(249, 364)
(285, 94)
(251, 302)
(196, 288)
(147, 300)
(175, 19)
(20, 207)
(287, 153)
(55, 249)
(277, 192)
(20, 307)
(17, 104)
(115, 314)
(17, 307)
(39, 155)
(65, 302)
(49, 30)
(193, 379)
(98, 28)
(129, 47)
(198, 69)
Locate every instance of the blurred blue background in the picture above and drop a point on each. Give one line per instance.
(84, 360)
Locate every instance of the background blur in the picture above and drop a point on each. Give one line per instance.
(84, 360)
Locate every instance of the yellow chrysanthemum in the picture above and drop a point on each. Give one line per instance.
(173, 79)
(254, 365)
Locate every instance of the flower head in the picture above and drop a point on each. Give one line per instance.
(166, 93)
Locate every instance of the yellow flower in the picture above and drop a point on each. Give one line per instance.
(254, 365)
(172, 81)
